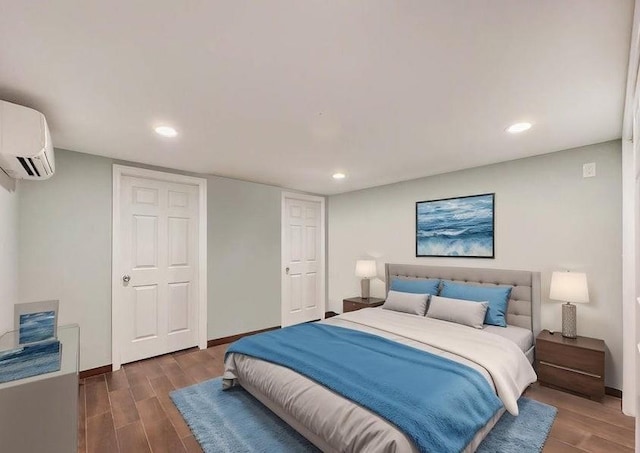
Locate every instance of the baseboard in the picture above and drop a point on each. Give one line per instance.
(216, 342)
(95, 371)
(232, 338)
(613, 392)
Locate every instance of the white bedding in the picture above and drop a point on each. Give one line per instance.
(337, 424)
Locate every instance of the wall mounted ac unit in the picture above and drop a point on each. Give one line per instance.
(26, 151)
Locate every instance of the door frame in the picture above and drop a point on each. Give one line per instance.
(116, 313)
(323, 238)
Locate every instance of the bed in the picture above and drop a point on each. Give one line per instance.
(335, 423)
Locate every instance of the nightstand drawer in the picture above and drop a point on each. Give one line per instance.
(350, 306)
(567, 356)
(570, 380)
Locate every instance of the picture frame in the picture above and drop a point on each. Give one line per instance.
(36, 321)
(457, 227)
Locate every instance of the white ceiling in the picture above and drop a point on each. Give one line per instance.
(288, 92)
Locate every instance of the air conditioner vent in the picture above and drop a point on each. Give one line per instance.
(26, 151)
(25, 166)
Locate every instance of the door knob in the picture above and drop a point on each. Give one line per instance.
(126, 278)
(287, 270)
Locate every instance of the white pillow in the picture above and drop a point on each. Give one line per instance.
(466, 312)
(416, 304)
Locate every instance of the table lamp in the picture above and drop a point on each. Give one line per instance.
(365, 269)
(569, 287)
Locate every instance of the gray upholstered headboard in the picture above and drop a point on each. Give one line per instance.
(524, 305)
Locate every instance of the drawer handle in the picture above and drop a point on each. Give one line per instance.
(569, 369)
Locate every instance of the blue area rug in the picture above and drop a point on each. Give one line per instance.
(234, 421)
(522, 434)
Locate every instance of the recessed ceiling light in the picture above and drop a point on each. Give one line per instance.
(519, 127)
(166, 131)
(339, 176)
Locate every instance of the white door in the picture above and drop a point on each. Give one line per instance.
(157, 291)
(302, 259)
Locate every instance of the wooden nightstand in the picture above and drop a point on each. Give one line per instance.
(576, 364)
(356, 303)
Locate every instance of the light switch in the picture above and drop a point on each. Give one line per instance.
(589, 170)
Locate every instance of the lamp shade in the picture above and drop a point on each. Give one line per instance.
(366, 268)
(569, 287)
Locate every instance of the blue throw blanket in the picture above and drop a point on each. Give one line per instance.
(438, 403)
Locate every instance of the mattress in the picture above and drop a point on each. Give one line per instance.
(520, 336)
(327, 419)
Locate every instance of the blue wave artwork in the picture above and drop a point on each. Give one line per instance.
(455, 227)
(37, 326)
(30, 360)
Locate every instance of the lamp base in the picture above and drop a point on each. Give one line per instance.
(569, 321)
(364, 287)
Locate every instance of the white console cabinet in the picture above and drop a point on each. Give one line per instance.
(40, 413)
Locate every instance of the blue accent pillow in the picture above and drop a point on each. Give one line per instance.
(497, 296)
(417, 286)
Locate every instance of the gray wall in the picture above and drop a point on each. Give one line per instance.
(244, 256)
(65, 248)
(547, 218)
(65, 251)
(8, 251)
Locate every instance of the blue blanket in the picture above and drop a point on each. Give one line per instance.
(438, 403)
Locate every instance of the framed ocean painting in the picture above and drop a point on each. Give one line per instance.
(456, 227)
(36, 321)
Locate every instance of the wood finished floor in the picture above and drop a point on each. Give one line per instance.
(129, 411)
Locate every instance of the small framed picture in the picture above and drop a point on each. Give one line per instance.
(36, 321)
